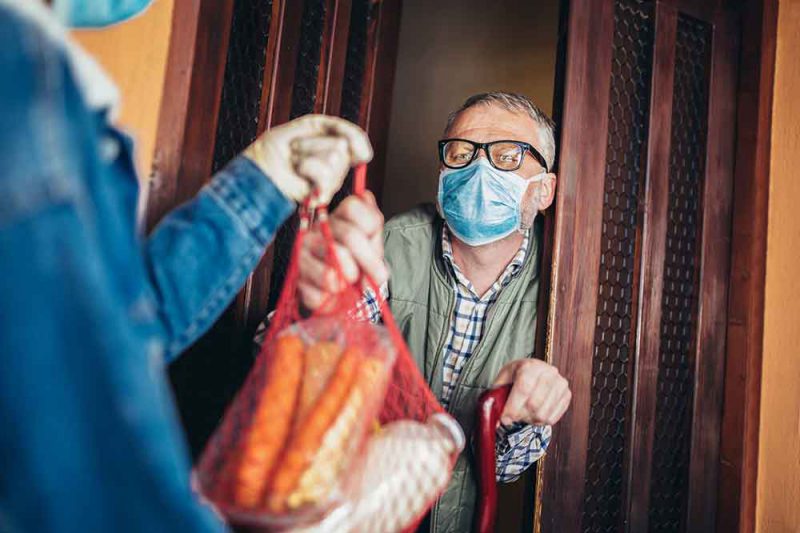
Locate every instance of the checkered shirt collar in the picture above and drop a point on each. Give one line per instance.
(508, 274)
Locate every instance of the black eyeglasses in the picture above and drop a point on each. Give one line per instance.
(502, 155)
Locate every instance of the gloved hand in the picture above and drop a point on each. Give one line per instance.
(311, 152)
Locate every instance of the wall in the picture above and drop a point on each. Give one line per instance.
(449, 50)
(134, 54)
(778, 496)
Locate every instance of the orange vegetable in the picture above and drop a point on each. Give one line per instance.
(305, 442)
(271, 423)
(321, 359)
(338, 443)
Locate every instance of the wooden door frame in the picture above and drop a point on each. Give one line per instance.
(184, 148)
(745, 327)
(742, 334)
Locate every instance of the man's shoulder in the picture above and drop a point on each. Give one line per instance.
(419, 218)
(411, 236)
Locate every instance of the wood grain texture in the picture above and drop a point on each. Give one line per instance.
(715, 267)
(745, 324)
(656, 197)
(576, 252)
(190, 104)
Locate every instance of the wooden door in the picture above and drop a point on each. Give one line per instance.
(640, 264)
(236, 68)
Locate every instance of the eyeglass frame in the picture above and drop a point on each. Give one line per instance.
(526, 147)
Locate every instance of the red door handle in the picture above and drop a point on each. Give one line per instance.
(490, 407)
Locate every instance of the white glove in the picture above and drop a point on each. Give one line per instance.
(313, 152)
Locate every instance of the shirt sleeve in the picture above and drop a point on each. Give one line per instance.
(369, 308)
(201, 253)
(518, 447)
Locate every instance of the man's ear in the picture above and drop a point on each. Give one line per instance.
(547, 191)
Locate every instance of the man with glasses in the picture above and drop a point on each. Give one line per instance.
(464, 281)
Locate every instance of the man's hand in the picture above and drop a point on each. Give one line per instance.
(357, 227)
(311, 152)
(539, 394)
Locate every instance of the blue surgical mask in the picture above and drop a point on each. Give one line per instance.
(480, 203)
(97, 13)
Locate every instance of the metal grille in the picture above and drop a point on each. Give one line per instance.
(670, 475)
(355, 63)
(304, 96)
(304, 92)
(612, 371)
(354, 69)
(244, 77)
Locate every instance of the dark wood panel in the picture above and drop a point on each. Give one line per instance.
(384, 36)
(334, 52)
(656, 197)
(534, 488)
(713, 290)
(670, 475)
(741, 413)
(613, 362)
(703, 10)
(576, 248)
(276, 101)
(190, 104)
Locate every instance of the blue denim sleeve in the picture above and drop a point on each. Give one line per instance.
(89, 440)
(200, 254)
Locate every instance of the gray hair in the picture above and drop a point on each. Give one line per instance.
(515, 103)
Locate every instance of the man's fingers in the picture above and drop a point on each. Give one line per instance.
(560, 409)
(538, 395)
(310, 295)
(360, 213)
(506, 374)
(316, 272)
(515, 405)
(554, 398)
(369, 259)
(347, 263)
(370, 198)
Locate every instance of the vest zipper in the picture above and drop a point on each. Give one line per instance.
(450, 309)
(440, 347)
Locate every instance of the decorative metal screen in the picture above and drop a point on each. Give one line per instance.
(304, 92)
(244, 78)
(304, 96)
(612, 371)
(355, 63)
(670, 474)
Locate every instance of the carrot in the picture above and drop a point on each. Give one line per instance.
(338, 443)
(271, 422)
(321, 359)
(305, 442)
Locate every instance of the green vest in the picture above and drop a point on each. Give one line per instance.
(422, 300)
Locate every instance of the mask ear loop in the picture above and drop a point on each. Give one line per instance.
(537, 197)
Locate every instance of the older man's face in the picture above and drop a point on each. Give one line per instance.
(487, 123)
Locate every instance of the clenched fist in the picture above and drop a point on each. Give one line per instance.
(357, 227)
(313, 152)
(539, 394)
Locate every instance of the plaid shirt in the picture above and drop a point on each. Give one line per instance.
(518, 446)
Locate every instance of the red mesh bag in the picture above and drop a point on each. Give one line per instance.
(300, 445)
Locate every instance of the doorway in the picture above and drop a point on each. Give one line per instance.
(639, 240)
(448, 51)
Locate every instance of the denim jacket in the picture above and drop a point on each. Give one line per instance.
(91, 312)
